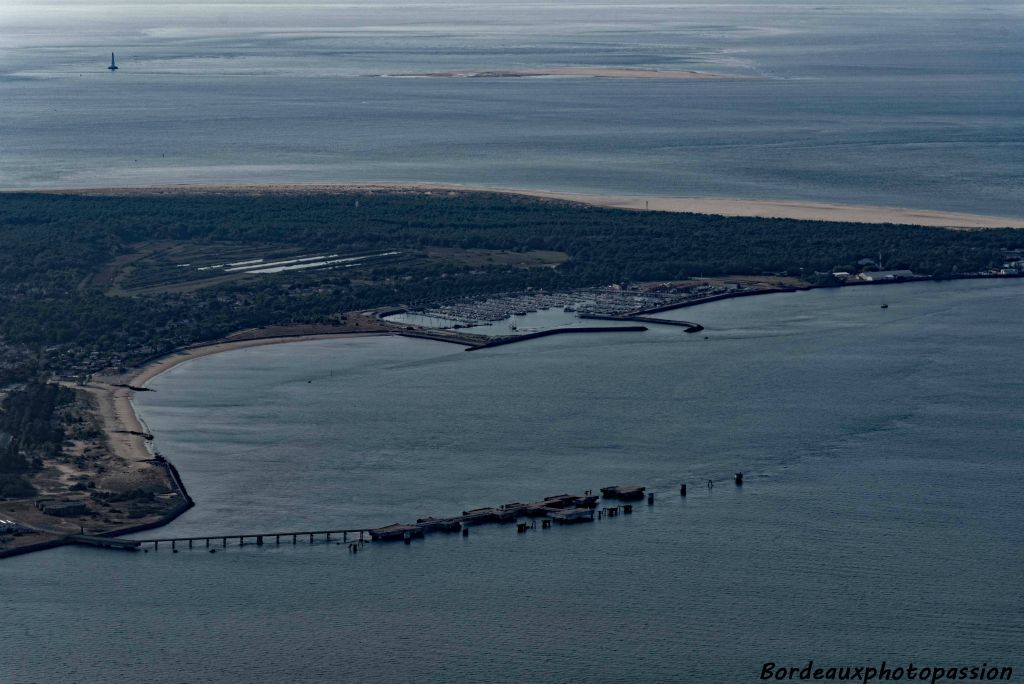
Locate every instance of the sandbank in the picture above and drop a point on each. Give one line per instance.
(576, 72)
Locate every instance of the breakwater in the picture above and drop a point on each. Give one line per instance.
(512, 339)
(690, 327)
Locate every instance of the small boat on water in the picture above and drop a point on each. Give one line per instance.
(885, 306)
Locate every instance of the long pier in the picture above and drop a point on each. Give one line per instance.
(259, 539)
(563, 509)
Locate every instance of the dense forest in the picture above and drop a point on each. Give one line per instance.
(55, 309)
(32, 429)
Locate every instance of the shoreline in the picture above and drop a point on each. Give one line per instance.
(122, 423)
(717, 206)
(127, 433)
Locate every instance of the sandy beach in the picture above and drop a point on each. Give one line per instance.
(122, 425)
(810, 211)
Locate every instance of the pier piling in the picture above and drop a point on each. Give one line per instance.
(650, 498)
(682, 489)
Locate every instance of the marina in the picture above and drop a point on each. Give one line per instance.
(614, 302)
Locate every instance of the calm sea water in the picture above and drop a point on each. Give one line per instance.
(882, 518)
(907, 104)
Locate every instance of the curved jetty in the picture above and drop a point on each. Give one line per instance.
(499, 341)
(690, 327)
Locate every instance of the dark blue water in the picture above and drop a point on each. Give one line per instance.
(881, 517)
(914, 105)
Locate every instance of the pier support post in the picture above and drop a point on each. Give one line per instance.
(328, 536)
(156, 545)
(311, 539)
(190, 543)
(344, 536)
(173, 544)
(224, 543)
(682, 489)
(650, 498)
(207, 542)
(277, 540)
(259, 540)
(465, 531)
(294, 537)
(739, 479)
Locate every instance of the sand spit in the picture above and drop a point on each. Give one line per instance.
(810, 211)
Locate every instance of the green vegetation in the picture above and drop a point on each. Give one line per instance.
(33, 429)
(90, 280)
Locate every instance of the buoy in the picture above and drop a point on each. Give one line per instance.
(213, 550)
